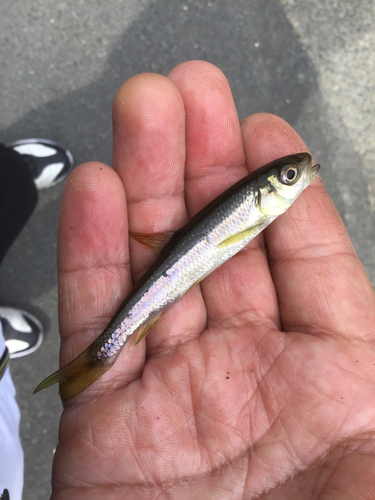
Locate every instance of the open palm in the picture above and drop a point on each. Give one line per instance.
(260, 382)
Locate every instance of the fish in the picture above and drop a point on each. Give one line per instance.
(186, 256)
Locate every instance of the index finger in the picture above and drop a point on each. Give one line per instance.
(321, 284)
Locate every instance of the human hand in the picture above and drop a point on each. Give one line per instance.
(259, 382)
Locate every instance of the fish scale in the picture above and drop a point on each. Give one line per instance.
(184, 272)
(211, 237)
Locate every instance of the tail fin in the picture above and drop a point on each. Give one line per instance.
(76, 376)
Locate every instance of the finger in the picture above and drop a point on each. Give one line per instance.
(149, 156)
(93, 266)
(241, 290)
(320, 282)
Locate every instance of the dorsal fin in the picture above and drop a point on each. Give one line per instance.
(155, 241)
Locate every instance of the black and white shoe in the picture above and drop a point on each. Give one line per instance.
(49, 161)
(23, 333)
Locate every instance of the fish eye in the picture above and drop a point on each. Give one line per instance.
(288, 174)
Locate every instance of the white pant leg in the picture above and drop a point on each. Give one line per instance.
(11, 454)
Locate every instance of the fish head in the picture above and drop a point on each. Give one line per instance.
(283, 181)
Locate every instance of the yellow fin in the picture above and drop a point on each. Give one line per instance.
(144, 329)
(155, 241)
(77, 375)
(242, 235)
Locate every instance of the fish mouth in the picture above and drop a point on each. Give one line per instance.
(314, 170)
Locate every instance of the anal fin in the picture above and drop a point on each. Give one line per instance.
(144, 329)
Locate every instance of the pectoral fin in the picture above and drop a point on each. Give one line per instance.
(242, 235)
(155, 241)
(144, 329)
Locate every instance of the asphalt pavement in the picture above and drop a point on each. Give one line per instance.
(61, 63)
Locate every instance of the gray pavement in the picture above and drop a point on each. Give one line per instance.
(61, 63)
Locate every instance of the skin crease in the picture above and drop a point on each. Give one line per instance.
(260, 382)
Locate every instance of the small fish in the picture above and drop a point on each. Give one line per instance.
(187, 256)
